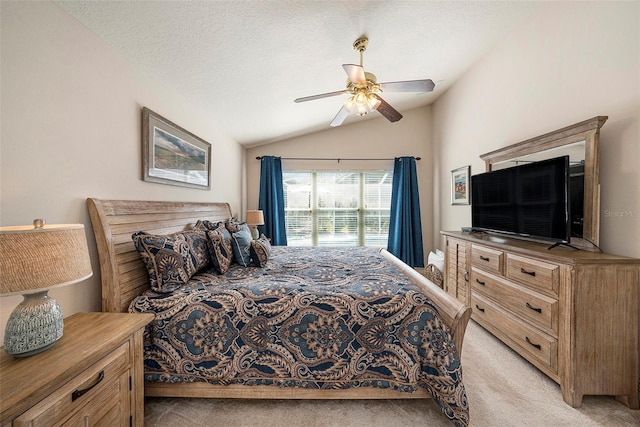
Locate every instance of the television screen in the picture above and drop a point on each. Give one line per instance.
(530, 200)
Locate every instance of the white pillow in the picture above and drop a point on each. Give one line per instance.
(436, 259)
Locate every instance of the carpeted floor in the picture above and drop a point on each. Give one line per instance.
(503, 390)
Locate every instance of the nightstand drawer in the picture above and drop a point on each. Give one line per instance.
(535, 273)
(88, 397)
(532, 306)
(109, 408)
(487, 259)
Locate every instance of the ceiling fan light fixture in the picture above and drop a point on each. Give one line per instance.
(374, 102)
(350, 103)
(363, 89)
(361, 98)
(362, 103)
(362, 109)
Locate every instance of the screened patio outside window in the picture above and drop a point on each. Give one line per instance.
(337, 208)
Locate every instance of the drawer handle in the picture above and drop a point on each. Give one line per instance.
(538, 346)
(466, 276)
(480, 282)
(481, 309)
(484, 258)
(78, 393)
(539, 310)
(530, 273)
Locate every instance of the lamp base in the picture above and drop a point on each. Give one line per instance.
(34, 325)
(254, 232)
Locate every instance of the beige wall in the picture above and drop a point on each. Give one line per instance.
(570, 62)
(375, 138)
(71, 130)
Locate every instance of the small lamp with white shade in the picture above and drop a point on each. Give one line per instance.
(254, 218)
(34, 259)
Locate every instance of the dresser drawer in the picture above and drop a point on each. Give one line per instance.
(102, 382)
(532, 306)
(537, 274)
(487, 259)
(531, 342)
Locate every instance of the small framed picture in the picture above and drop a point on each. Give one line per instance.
(460, 185)
(173, 155)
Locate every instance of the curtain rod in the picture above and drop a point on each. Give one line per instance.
(324, 158)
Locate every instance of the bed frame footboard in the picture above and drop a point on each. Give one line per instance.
(455, 313)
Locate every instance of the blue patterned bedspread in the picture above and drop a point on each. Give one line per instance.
(320, 318)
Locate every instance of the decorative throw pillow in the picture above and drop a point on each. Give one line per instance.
(260, 250)
(240, 244)
(171, 260)
(206, 225)
(233, 225)
(225, 234)
(220, 249)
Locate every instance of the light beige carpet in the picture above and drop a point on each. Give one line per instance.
(503, 390)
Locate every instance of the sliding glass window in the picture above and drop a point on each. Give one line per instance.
(337, 208)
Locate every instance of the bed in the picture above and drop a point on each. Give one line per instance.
(311, 323)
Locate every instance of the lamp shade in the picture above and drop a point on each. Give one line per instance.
(34, 259)
(255, 217)
(37, 259)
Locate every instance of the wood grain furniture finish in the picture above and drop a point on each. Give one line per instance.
(124, 276)
(122, 273)
(572, 314)
(456, 277)
(91, 376)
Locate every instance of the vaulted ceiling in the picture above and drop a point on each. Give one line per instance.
(244, 62)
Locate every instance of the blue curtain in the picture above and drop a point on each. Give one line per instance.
(405, 227)
(271, 200)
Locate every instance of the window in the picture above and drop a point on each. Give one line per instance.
(337, 208)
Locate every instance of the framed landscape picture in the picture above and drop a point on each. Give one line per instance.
(460, 185)
(172, 155)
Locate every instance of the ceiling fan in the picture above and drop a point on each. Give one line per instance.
(364, 90)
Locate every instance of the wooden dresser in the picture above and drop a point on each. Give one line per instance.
(91, 376)
(573, 314)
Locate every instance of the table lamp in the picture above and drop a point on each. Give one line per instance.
(34, 259)
(254, 218)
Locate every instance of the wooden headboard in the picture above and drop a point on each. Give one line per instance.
(123, 274)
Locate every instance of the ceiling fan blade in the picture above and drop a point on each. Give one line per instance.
(323, 95)
(355, 73)
(339, 118)
(387, 110)
(420, 86)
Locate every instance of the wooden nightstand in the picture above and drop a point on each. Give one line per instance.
(91, 376)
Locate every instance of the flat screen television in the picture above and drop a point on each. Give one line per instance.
(530, 201)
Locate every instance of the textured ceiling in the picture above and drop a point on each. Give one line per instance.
(244, 62)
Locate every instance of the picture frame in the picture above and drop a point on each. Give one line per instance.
(172, 155)
(460, 185)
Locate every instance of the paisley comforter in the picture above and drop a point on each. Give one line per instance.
(324, 318)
